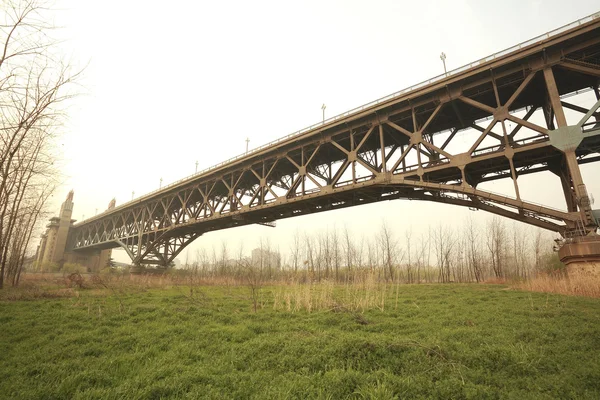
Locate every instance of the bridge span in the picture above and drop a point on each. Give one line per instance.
(500, 117)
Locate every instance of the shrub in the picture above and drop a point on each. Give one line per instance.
(552, 265)
(70, 268)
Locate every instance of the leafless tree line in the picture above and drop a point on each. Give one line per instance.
(33, 83)
(496, 250)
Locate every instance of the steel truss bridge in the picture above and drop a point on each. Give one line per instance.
(501, 117)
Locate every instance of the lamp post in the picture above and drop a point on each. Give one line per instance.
(443, 58)
(247, 141)
(132, 194)
(196, 168)
(160, 184)
(323, 107)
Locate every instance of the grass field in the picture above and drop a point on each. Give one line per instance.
(421, 341)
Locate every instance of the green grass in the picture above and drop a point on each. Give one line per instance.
(441, 341)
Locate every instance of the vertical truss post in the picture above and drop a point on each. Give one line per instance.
(560, 170)
(263, 184)
(508, 151)
(352, 156)
(141, 228)
(571, 164)
(420, 168)
(302, 170)
(382, 146)
(554, 97)
(165, 254)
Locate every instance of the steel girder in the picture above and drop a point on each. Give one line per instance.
(437, 143)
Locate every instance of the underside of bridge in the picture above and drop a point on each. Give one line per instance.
(529, 110)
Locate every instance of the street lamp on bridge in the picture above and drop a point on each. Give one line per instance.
(247, 141)
(160, 184)
(443, 58)
(323, 107)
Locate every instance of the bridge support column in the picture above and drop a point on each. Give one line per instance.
(567, 139)
(581, 249)
(93, 260)
(582, 256)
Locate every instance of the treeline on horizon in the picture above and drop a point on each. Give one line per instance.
(495, 250)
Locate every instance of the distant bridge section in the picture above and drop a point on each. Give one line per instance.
(501, 117)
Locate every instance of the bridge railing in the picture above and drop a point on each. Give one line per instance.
(358, 109)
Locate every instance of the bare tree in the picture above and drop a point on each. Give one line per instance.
(358, 254)
(459, 273)
(496, 243)
(240, 259)
(26, 222)
(409, 274)
(325, 252)
(388, 248)
(296, 250)
(520, 250)
(335, 252)
(474, 257)
(310, 256)
(537, 248)
(266, 257)
(214, 261)
(202, 262)
(33, 90)
(249, 272)
(422, 255)
(372, 259)
(444, 245)
(223, 259)
(349, 251)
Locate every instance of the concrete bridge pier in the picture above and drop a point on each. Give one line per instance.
(582, 255)
(136, 269)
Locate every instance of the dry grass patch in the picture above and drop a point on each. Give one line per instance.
(364, 293)
(574, 285)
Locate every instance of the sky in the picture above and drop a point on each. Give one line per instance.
(169, 84)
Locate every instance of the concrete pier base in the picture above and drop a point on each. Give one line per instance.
(137, 269)
(582, 256)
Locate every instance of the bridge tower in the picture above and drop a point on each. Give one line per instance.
(54, 240)
(52, 249)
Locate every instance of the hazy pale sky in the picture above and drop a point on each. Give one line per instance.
(171, 83)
